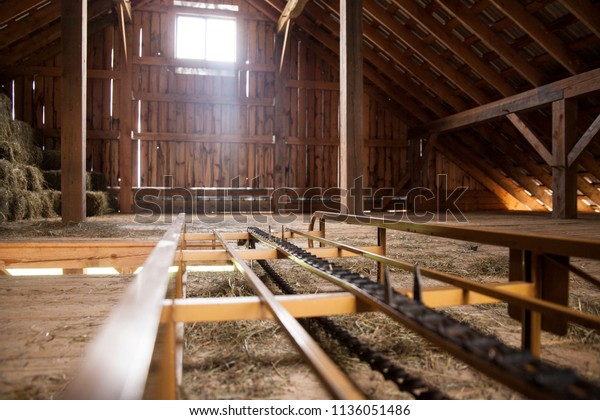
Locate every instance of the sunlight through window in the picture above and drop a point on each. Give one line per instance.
(208, 39)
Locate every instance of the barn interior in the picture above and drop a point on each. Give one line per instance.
(438, 161)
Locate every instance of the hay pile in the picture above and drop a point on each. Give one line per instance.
(22, 194)
(25, 191)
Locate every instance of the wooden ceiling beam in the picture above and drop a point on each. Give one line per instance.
(292, 10)
(462, 51)
(540, 34)
(404, 60)
(10, 10)
(508, 166)
(493, 41)
(410, 109)
(586, 12)
(379, 62)
(570, 87)
(42, 45)
(506, 191)
(464, 83)
(27, 25)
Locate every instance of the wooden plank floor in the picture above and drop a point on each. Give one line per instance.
(45, 324)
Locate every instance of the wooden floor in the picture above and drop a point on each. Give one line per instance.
(45, 324)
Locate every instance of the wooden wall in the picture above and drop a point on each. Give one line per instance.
(217, 130)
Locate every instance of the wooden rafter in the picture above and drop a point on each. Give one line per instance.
(10, 10)
(493, 41)
(540, 34)
(42, 44)
(422, 48)
(467, 162)
(29, 24)
(292, 10)
(586, 12)
(410, 110)
(419, 72)
(479, 65)
(374, 58)
(571, 87)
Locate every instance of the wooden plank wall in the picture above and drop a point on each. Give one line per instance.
(217, 130)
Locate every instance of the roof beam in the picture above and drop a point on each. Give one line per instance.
(493, 41)
(567, 88)
(292, 10)
(377, 60)
(29, 24)
(457, 47)
(468, 163)
(419, 72)
(325, 39)
(10, 10)
(588, 14)
(540, 34)
(464, 83)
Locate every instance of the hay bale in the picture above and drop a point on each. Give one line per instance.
(5, 202)
(12, 176)
(35, 179)
(53, 179)
(5, 106)
(96, 203)
(48, 203)
(55, 198)
(6, 151)
(19, 207)
(97, 181)
(50, 160)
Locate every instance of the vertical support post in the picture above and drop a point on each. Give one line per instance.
(564, 178)
(351, 107)
(73, 104)
(381, 242)
(281, 78)
(531, 322)
(167, 386)
(125, 126)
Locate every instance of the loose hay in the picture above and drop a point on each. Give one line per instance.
(35, 179)
(12, 176)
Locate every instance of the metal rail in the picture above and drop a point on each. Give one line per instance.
(525, 302)
(117, 363)
(333, 378)
(516, 369)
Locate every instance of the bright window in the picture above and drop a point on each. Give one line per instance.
(210, 39)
